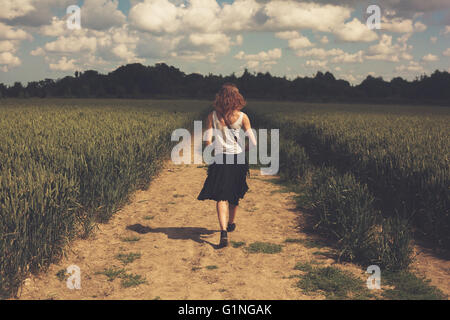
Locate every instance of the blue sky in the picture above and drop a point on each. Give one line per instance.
(283, 37)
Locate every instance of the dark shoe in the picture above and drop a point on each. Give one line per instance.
(223, 239)
(231, 227)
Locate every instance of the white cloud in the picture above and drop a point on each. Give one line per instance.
(189, 55)
(239, 40)
(101, 14)
(287, 35)
(57, 27)
(63, 65)
(156, 16)
(447, 52)
(160, 46)
(411, 67)
(292, 15)
(316, 63)
(430, 58)
(239, 15)
(40, 12)
(419, 27)
(164, 16)
(252, 64)
(37, 52)
(299, 43)
(349, 57)
(405, 56)
(402, 8)
(433, 40)
(355, 31)
(401, 25)
(15, 8)
(398, 25)
(125, 53)
(203, 29)
(8, 60)
(319, 53)
(324, 40)
(8, 45)
(91, 48)
(72, 44)
(213, 43)
(10, 39)
(386, 50)
(273, 54)
(9, 33)
(263, 58)
(201, 16)
(295, 40)
(204, 46)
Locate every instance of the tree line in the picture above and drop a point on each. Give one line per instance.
(163, 81)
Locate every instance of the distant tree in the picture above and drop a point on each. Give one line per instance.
(2, 90)
(16, 91)
(375, 87)
(161, 80)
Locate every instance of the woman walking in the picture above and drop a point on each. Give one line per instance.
(226, 182)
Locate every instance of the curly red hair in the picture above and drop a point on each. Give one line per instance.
(227, 100)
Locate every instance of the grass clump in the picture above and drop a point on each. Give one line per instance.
(334, 283)
(306, 242)
(128, 279)
(61, 275)
(264, 247)
(408, 286)
(291, 240)
(132, 280)
(127, 258)
(131, 239)
(237, 244)
(212, 267)
(179, 195)
(303, 266)
(112, 273)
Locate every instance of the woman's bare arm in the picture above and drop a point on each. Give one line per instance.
(209, 129)
(247, 129)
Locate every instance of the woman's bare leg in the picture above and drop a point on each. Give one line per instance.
(222, 214)
(232, 210)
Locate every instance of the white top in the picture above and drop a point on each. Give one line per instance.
(226, 142)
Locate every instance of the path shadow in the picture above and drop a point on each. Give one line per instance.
(177, 233)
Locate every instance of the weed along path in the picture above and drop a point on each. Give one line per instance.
(162, 245)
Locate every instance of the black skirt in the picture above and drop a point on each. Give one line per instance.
(225, 182)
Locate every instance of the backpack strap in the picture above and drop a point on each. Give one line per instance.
(229, 127)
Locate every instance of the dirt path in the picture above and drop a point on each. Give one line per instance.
(177, 235)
